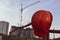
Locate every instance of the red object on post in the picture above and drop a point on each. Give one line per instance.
(41, 22)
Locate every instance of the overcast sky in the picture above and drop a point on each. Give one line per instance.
(10, 11)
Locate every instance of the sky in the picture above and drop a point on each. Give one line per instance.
(10, 11)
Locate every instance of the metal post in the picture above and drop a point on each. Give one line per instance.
(46, 37)
(21, 16)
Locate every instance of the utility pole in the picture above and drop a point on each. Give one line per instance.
(25, 8)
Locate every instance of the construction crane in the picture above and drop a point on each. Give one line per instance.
(25, 8)
(21, 16)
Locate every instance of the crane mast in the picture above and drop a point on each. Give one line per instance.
(25, 8)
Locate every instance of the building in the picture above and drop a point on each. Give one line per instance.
(29, 33)
(26, 33)
(16, 33)
(22, 33)
(4, 27)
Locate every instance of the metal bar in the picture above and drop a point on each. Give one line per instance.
(20, 27)
(54, 31)
(51, 31)
(30, 5)
(21, 16)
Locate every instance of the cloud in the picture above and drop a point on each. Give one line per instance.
(9, 12)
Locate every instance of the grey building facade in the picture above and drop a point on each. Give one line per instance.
(23, 33)
(16, 33)
(4, 27)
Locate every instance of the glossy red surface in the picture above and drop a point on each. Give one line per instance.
(41, 22)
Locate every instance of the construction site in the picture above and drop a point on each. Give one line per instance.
(18, 33)
(39, 25)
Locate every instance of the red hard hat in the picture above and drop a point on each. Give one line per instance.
(41, 22)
